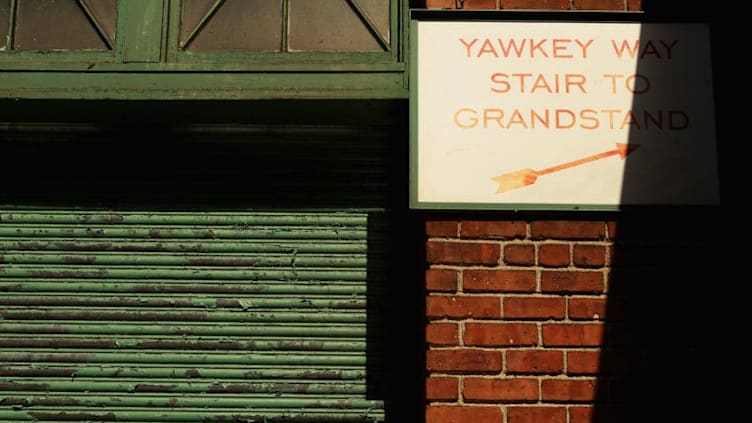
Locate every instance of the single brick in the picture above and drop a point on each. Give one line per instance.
(463, 361)
(442, 333)
(568, 390)
(474, 280)
(500, 334)
(493, 229)
(592, 256)
(588, 308)
(458, 414)
(442, 228)
(567, 282)
(462, 307)
(565, 229)
(534, 308)
(462, 253)
(583, 414)
(442, 4)
(510, 389)
(536, 414)
(554, 255)
(599, 5)
(536, 4)
(583, 362)
(573, 335)
(441, 280)
(519, 254)
(535, 362)
(442, 388)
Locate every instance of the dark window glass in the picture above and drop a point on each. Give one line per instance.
(335, 25)
(4, 22)
(65, 25)
(378, 12)
(104, 16)
(232, 25)
(285, 25)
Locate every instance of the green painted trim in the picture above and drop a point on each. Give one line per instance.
(53, 59)
(172, 32)
(403, 53)
(91, 63)
(140, 30)
(413, 94)
(414, 204)
(200, 86)
(323, 59)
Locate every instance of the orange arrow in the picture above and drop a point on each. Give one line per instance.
(524, 177)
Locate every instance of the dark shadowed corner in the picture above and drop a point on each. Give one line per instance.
(665, 358)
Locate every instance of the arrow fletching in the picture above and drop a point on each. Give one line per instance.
(516, 179)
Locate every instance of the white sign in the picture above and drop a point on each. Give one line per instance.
(562, 115)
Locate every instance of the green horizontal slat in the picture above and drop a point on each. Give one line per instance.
(185, 401)
(94, 356)
(374, 414)
(165, 386)
(175, 272)
(175, 232)
(154, 259)
(334, 331)
(43, 371)
(299, 343)
(13, 314)
(203, 246)
(355, 301)
(182, 286)
(177, 218)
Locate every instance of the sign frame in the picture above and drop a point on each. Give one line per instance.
(537, 17)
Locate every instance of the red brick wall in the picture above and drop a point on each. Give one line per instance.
(568, 321)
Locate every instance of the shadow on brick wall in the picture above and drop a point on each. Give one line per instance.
(663, 355)
(659, 358)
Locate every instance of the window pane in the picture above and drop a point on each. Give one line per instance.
(192, 13)
(54, 25)
(238, 25)
(333, 25)
(378, 11)
(4, 16)
(105, 12)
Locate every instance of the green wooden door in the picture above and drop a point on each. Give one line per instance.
(184, 316)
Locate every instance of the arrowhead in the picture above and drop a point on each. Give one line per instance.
(624, 149)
